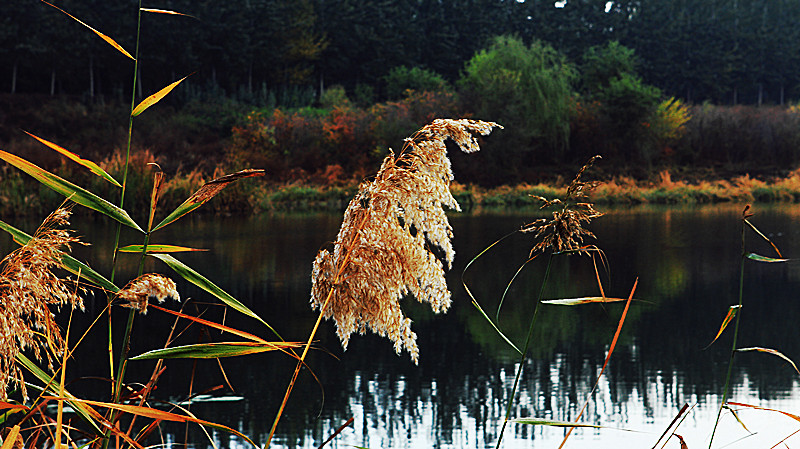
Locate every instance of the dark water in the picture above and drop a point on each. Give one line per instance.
(687, 264)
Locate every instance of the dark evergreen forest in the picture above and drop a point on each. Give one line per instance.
(723, 51)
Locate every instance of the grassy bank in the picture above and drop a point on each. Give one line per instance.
(20, 195)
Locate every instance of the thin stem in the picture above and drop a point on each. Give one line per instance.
(117, 380)
(301, 360)
(735, 337)
(524, 355)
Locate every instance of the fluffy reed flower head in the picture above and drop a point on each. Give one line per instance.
(565, 231)
(147, 287)
(383, 250)
(28, 287)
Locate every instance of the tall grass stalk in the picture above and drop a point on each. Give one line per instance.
(524, 356)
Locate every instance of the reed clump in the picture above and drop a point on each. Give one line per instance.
(384, 248)
(29, 288)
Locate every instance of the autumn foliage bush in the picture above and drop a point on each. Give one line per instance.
(340, 141)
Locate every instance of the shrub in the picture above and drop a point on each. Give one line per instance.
(401, 79)
(527, 89)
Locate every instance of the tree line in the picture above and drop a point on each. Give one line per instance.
(723, 51)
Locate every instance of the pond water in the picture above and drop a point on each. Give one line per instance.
(687, 262)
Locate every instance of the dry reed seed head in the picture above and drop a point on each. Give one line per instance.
(566, 231)
(28, 287)
(384, 248)
(150, 286)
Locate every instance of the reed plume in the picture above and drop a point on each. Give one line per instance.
(565, 231)
(384, 248)
(147, 287)
(28, 288)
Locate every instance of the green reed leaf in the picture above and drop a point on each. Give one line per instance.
(158, 249)
(199, 280)
(205, 193)
(155, 98)
(554, 423)
(759, 258)
(110, 41)
(94, 168)
(50, 384)
(71, 191)
(581, 301)
(70, 263)
(215, 350)
(770, 351)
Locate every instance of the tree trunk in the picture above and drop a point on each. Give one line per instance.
(91, 76)
(760, 94)
(782, 95)
(53, 82)
(14, 77)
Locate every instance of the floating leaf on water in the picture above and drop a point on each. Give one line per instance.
(581, 301)
(732, 311)
(760, 258)
(773, 352)
(94, 168)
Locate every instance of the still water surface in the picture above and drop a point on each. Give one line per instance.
(687, 262)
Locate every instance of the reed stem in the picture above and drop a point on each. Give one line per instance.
(524, 355)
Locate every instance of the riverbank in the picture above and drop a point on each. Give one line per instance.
(21, 195)
(616, 191)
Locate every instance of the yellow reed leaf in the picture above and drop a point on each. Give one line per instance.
(110, 41)
(731, 313)
(773, 352)
(155, 98)
(94, 168)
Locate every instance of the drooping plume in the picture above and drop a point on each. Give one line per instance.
(383, 250)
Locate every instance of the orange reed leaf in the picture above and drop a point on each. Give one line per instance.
(582, 301)
(166, 11)
(608, 357)
(756, 407)
(732, 311)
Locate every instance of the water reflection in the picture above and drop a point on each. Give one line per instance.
(687, 262)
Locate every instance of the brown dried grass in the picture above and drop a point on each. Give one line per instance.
(384, 248)
(29, 288)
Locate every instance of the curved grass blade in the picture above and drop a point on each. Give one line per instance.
(80, 409)
(70, 263)
(736, 415)
(155, 98)
(94, 168)
(216, 350)
(158, 249)
(71, 191)
(747, 222)
(102, 36)
(760, 258)
(475, 301)
(199, 280)
(732, 311)
(205, 193)
(153, 413)
(790, 415)
(582, 301)
(770, 351)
